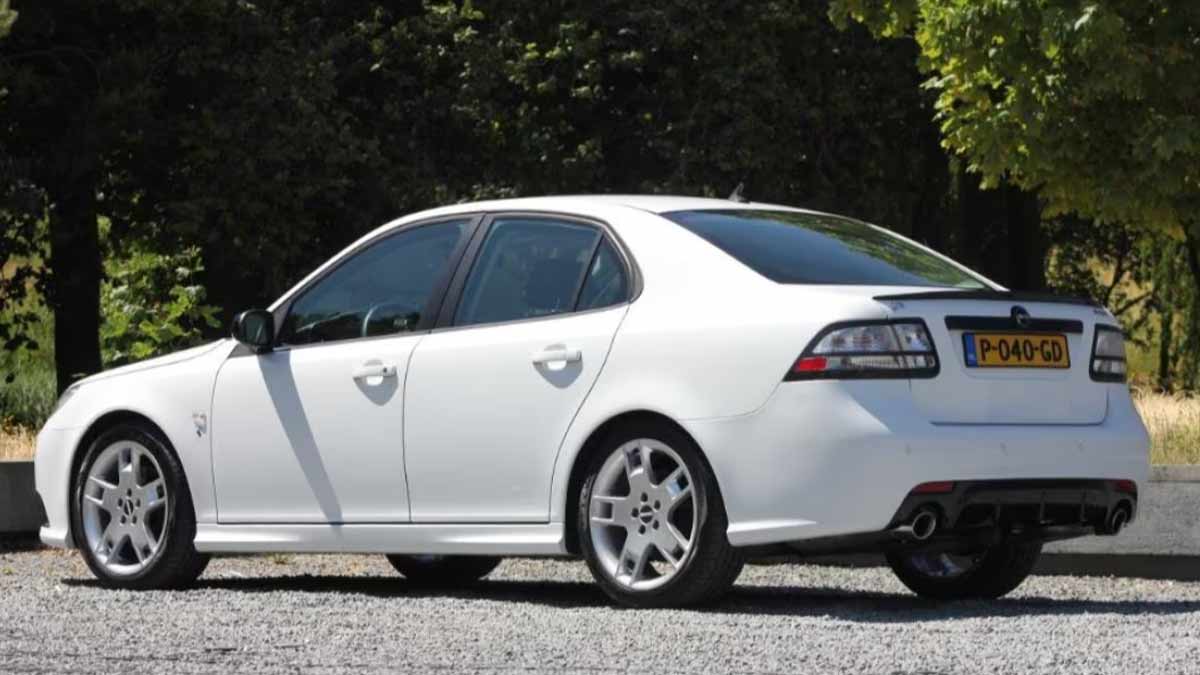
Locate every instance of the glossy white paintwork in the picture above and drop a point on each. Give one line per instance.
(470, 446)
(485, 421)
(325, 440)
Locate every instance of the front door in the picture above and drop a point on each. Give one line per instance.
(490, 396)
(313, 431)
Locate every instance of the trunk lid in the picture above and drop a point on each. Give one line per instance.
(966, 394)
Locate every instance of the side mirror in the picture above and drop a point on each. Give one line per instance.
(255, 328)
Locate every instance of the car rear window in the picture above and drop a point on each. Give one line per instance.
(808, 248)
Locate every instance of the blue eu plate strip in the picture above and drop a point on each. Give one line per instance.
(969, 346)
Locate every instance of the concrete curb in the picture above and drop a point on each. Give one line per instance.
(20, 512)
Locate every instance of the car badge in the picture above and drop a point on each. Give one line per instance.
(1021, 317)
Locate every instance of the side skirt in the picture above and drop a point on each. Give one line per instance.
(483, 539)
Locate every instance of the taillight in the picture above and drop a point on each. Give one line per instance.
(1108, 354)
(868, 349)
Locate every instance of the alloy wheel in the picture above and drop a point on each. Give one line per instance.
(125, 508)
(642, 516)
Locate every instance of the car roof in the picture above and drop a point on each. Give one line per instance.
(585, 203)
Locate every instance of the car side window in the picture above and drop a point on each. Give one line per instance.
(527, 268)
(606, 283)
(381, 290)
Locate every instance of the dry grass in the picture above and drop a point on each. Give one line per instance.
(1174, 424)
(16, 443)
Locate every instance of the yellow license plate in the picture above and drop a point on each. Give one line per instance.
(1016, 350)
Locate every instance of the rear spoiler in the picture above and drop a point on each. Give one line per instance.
(1007, 296)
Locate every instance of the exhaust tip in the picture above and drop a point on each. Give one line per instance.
(924, 524)
(1119, 519)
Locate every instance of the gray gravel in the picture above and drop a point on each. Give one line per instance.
(325, 614)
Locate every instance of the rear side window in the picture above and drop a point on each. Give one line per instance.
(606, 283)
(527, 268)
(807, 248)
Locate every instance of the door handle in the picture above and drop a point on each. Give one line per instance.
(557, 355)
(374, 369)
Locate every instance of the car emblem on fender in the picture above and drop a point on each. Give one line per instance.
(1020, 316)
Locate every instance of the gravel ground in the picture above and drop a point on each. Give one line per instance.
(326, 614)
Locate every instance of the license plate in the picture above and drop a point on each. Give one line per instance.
(1016, 350)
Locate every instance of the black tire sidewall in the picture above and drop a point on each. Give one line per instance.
(180, 525)
(444, 570)
(1000, 570)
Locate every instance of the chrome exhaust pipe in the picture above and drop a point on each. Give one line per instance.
(1118, 520)
(921, 527)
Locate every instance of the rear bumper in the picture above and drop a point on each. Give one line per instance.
(830, 459)
(978, 514)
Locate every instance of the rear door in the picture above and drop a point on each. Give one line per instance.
(490, 393)
(1008, 361)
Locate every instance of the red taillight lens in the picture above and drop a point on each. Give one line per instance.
(1126, 486)
(901, 348)
(809, 364)
(940, 487)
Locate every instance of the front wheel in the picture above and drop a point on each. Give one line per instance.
(132, 515)
(651, 521)
(992, 573)
(443, 570)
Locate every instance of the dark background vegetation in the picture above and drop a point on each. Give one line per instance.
(167, 163)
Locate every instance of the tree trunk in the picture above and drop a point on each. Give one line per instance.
(75, 279)
(1166, 319)
(1027, 248)
(1191, 237)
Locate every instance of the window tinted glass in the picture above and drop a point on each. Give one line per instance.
(526, 268)
(805, 248)
(605, 284)
(381, 290)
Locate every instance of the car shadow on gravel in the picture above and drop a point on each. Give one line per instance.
(826, 602)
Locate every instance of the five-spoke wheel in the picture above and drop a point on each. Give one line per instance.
(125, 507)
(651, 521)
(132, 515)
(642, 520)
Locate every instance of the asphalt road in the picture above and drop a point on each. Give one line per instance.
(328, 614)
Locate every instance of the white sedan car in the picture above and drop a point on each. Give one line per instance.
(661, 385)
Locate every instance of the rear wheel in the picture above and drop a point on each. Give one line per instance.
(651, 521)
(989, 574)
(132, 514)
(443, 570)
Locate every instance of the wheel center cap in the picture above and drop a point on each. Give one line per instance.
(646, 513)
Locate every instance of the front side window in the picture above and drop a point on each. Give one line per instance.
(381, 290)
(809, 248)
(527, 268)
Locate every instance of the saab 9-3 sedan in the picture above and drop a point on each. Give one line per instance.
(662, 386)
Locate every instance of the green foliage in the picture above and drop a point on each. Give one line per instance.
(152, 305)
(27, 387)
(7, 18)
(1091, 103)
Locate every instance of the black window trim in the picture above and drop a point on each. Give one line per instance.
(436, 298)
(445, 320)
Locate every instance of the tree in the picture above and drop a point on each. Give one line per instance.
(183, 122)
(1092, 104)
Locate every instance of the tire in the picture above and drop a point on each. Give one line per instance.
(702, 572)
(994, 573)
(444, 570)
(173, 562)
